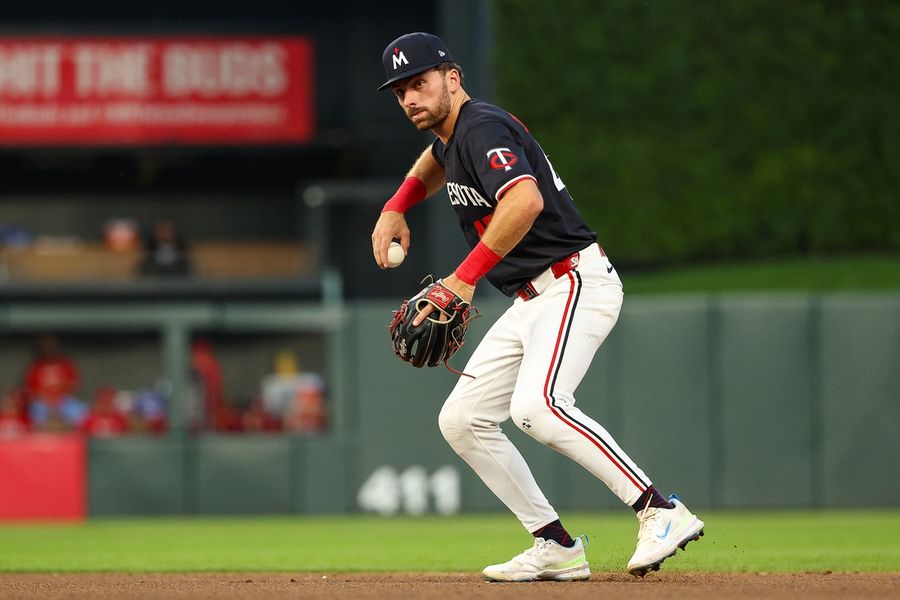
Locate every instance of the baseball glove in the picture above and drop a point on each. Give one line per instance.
(440, 335)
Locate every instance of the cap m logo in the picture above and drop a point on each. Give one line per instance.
(399, 58)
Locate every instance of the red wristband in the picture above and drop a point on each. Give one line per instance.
(476, 265)
(411, 192)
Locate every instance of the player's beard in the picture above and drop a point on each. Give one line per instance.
(433, 117)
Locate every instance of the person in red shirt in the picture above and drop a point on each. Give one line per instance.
(214, 413)
(51, 375)
(51, 380)
(104, 419)
(13, 421)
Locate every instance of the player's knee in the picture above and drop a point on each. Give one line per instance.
(526, 414)
(454, 426)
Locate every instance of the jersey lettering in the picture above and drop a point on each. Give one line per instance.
(463, 195)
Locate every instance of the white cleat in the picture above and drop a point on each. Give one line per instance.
(546, 560)
(663, 531)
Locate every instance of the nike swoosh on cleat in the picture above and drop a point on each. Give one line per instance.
(665, 533)
(609, 269)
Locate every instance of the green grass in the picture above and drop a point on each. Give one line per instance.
(750, 541)
(797, 274)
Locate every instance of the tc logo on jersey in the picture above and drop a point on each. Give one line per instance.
(502, 158)
(399, 58)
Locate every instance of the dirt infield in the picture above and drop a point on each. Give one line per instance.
(448, 585)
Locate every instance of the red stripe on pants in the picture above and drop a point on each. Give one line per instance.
(548, 398)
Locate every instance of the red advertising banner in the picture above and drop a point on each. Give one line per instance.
(43, 476)
(159, 90)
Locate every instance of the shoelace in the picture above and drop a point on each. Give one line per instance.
(537, 547)
(649, 520)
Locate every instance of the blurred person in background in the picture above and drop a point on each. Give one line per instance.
(279, 387)
(51, 380)
(165, 251)
(257, 419)
(210, 410)
(104, 419)
(148, 414)
(307, 413)
(13, 419)
(299, 398)
(51, 374)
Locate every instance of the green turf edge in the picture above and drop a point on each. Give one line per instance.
(736, 541)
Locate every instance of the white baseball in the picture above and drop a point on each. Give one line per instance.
(396, 255)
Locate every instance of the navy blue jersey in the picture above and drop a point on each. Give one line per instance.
(488, 153)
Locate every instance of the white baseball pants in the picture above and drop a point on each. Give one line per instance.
(527, 368)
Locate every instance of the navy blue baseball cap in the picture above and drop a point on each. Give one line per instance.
(412, 53)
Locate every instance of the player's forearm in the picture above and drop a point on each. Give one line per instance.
(424, 178)
(513, 217)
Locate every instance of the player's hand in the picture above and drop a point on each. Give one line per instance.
(455, 285)
(391, 225)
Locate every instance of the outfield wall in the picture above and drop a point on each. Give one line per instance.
(737, 400)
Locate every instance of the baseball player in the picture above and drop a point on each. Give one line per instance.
(527, 239)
